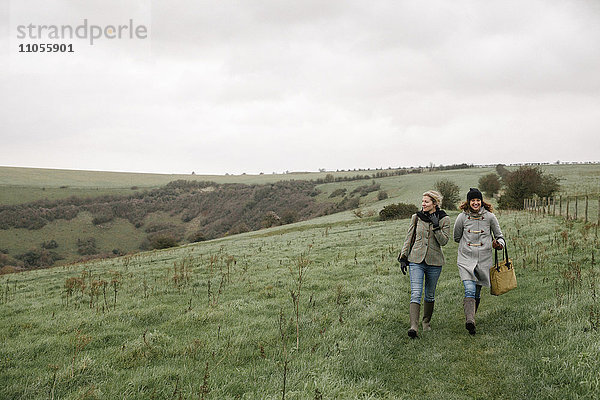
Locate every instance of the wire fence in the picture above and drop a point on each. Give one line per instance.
(584, 207)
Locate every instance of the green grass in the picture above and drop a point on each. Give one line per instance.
(118, 234)
(164, 339)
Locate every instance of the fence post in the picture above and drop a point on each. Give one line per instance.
(560, 205)
(567, 207)
(576, 198)
(553, 206)
(586, 209)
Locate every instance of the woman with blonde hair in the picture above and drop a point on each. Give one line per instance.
(477, 232)
(422, 256)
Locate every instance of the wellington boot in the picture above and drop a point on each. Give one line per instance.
(414, 310)
(469, 306)
(427, 312)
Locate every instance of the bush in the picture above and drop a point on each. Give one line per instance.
(86, 247)
(103, 216)
(8, 269)
(502, 171)
(524, 183)
(49, 245)
(450, 191)
(338, 193)
(197, 237)
(397, 211)
(162, 241)
(240, 227)
(39, 258)
(157, 227)
(347, 203)
(382, 195)
(271, 219)
(289, 217)
(490, 184)
(5, 259)
(366, 189)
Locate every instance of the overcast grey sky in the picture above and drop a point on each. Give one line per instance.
(263, 86)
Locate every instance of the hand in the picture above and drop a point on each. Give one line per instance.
(435, 220)
(497, 245)
(403, 264)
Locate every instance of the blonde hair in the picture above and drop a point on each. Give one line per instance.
(435, 196)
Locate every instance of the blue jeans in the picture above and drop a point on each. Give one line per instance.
(472, 290)
(418, 273)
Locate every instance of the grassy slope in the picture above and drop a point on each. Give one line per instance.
(162, 339)
(122, 235)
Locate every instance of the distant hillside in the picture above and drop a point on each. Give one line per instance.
(107, 217)
(180, 212)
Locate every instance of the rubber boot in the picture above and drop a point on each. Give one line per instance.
(469, 306)
(427, 312)
(414, 310)
(477, 304)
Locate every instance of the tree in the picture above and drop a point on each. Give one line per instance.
(450, 191)
(525, 183)
(502, 171)
(490, 184)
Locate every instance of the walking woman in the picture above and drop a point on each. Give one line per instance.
(477, 232)
(422, 255)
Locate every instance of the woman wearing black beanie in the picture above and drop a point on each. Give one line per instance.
(473, 232)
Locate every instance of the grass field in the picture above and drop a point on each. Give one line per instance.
(217, 320)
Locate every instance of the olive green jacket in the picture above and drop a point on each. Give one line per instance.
(428, 241)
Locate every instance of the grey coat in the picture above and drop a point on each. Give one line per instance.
(428, 241)
(473, 233)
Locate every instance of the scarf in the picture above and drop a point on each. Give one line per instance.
(425, 216)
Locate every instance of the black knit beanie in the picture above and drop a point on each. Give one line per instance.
(474, 193)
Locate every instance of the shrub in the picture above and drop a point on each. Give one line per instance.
(346, 203)
(338, 193)
(382, 195)
(366, 189)
(8, 269)
(502, 171)
(157, 227)
(289, 217)
(49, 245)
(397, 211)
(490, 184)
(450, 191)
(5, 259)
(86, 247)
(162, 241)
(271, 219)
(240, 227)
(524, 183)
(197, 237)
(102, 214)
(38, 258)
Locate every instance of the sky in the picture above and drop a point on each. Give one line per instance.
(248, 86)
